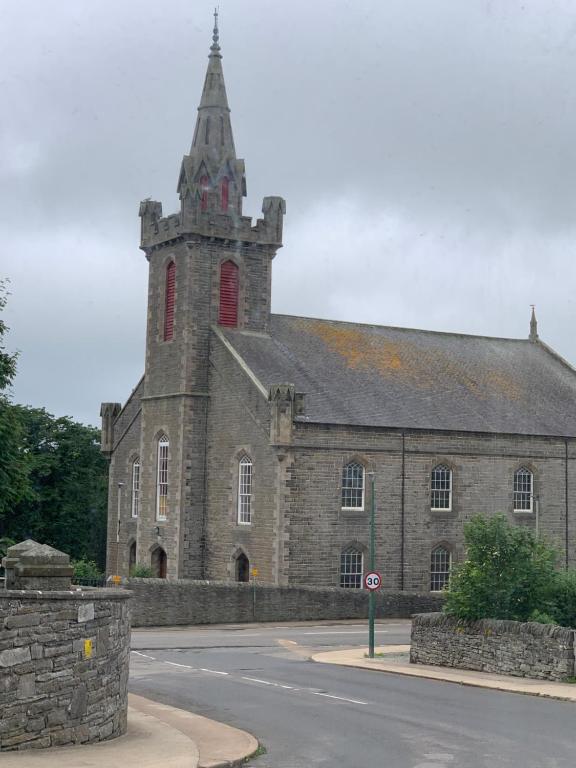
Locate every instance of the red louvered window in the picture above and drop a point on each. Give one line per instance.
(225, 189)
(170, 299)
(228, 310)
(204, 191)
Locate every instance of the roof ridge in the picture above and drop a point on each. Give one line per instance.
(401, 328)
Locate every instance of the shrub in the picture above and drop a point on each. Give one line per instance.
(86, 570)
(562, 598)
(508, 573)
(139, 571)
(5, 543)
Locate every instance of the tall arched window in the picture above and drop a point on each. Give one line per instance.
(228, 309)
(162, 479)
(204, 186)
(169, 301)
(523, 490)
(207, 131)
(135, 487)
(353, 486)
(245, 491)
(441, 488)
(439, 568)
(351, 568)
(225, 190)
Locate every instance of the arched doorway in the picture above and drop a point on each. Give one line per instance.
(242, 568)
(131, 557)
(158, 563)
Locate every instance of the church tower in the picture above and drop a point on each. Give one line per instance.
(208, 266)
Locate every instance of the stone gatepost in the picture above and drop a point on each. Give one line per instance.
(64, 654)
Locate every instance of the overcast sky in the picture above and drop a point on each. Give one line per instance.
(426, 150)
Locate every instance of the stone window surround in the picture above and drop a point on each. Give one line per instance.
(527, 467)
(351, 556)
(447, 548)
(135, 487)
(162, 476)
(244, 490)
(442, 467)
(353, 462)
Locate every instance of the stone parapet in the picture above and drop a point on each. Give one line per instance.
(158, 602)
(541, 651)
(64, 659)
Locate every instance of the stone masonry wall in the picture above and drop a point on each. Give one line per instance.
(483, 469)
(513, 648)
(239, 424)
(157, 602)
(55, 688)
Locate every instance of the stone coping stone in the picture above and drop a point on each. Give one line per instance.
(93, 594)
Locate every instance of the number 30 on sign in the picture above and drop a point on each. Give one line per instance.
(372, 580)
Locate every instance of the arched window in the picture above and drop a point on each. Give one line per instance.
(158, 562)
(439, 568)
(245, 491)
(204, 186)
(228, 309)
(222, 135)
(353, 486)
(169, 301)
(441, 488)
(225, 189)
(351, 568)
(523, 490)
(135, 487)
(207, 131)
(162, 479)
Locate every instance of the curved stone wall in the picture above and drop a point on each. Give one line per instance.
(64, 660)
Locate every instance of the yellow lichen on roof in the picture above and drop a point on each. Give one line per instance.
(405, 361)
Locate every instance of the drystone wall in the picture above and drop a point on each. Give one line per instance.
(541, 651)
(63, 667)
(157, 602)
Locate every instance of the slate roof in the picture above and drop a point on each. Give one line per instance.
(399, 377)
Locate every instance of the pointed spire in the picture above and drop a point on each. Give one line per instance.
(213, 126)
(211, 174)
(533, 326)
(215, 36)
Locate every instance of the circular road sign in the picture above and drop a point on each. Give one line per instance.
(372, 580)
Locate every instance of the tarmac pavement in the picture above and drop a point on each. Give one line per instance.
(158, 735)
(395, 659)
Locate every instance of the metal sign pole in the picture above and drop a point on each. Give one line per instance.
(372, 596)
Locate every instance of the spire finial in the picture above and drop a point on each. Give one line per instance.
(533, 325)
(215, 34)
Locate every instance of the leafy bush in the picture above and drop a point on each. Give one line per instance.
(508, 573)
(5, 544)
(562, 598)
(86, 570)
(140, 571)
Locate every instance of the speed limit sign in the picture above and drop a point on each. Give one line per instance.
(372, 580)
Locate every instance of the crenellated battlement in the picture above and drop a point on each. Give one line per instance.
(157, 230)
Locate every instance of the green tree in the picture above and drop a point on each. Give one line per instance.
(66, 504)
(508, 573)
(13, 475)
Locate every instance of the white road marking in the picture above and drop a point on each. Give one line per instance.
(340, 698)
(346, 632)
(174, 664)
(256, 680)
(153, 658)
(214, 671)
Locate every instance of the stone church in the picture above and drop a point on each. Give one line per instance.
(247, 449)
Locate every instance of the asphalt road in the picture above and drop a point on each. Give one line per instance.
(308, 714)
